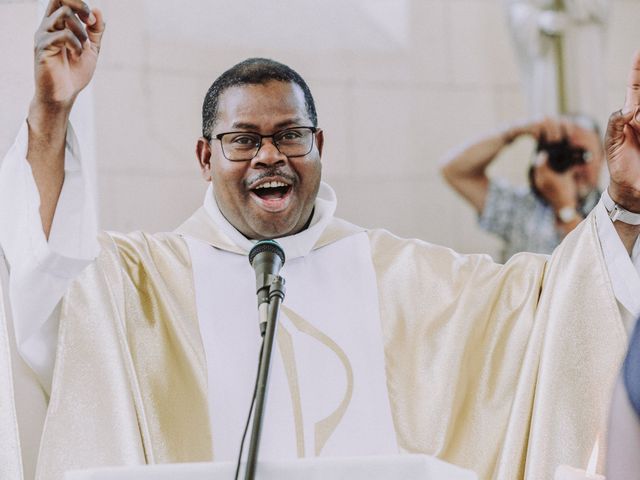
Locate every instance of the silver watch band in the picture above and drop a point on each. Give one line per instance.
(617, 213)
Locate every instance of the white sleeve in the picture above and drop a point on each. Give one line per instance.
(40, 271)
(624, 270)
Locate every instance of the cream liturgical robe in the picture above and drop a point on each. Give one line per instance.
(10, 457)
(503, 369)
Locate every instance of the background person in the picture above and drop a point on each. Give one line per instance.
(536, 217)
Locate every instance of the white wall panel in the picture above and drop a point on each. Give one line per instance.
(433, 73)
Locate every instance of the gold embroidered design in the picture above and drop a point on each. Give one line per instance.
(285, 346)
(325, 427)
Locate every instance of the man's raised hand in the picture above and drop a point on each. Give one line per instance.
(622, 145)
(66, 52)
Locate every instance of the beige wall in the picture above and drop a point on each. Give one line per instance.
(397, 83)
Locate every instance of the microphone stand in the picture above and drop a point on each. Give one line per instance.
(276, 295)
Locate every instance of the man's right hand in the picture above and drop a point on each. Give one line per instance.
(67, 44)
(66, 52)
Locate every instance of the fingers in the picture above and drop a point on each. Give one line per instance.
(61, 28)
(79, 8)
(552, 129)
(581, 137)
(62, 18)
(616, 128)
(74, 18)
(632, 99)
(569, 127)
(559, 189)
(542, 160)
(96, 30)
(59, 39)
(541, 171)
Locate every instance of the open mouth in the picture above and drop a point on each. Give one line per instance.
(272, 190)
(272, 195)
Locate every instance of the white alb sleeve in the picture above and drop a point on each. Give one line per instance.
(624, 270)
(40, 271)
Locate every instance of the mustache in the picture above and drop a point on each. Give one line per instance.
(271, 172)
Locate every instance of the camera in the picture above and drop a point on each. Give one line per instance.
(561, 156)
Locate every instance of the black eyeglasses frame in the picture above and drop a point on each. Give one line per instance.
(219, 136)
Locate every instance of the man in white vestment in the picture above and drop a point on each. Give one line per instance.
(146, 344)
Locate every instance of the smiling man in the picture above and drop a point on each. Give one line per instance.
(266, 189)
(146, 345)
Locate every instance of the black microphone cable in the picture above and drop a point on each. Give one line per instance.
(253, 400)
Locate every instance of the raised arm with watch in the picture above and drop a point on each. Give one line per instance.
(562, 188)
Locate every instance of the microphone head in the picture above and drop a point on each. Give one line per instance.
(266, 258)
(269, 247)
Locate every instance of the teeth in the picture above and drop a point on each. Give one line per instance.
(271, 185)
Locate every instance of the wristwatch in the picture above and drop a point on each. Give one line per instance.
(567, 214)
(618, 213)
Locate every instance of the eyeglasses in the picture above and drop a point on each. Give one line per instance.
(244, 146)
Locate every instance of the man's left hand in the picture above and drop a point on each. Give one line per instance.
(622, 146)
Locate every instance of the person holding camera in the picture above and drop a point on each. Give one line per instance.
(562, 190)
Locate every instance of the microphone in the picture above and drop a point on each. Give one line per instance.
(267, 258)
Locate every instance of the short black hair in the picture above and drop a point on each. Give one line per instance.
(252, 71)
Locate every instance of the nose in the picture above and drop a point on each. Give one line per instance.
(268, 155)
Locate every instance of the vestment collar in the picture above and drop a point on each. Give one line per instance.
(209, 225)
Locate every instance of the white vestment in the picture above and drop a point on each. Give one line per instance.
(324, 380)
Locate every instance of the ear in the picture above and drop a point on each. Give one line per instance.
(203, 153)
(320, 140)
